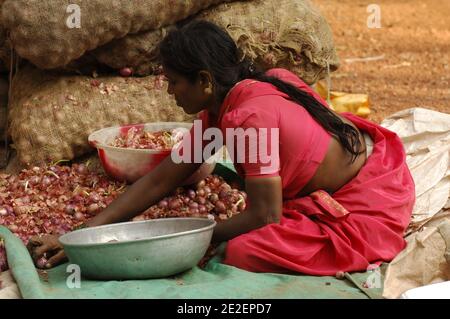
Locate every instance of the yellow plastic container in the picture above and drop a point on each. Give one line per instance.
(358, 104)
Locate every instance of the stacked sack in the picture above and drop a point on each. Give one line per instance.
(52, 33)
(4, 86)
(274, 33)
(4, 45)
(53, 111)
(52, 115)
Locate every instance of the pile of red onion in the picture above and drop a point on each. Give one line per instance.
(55, 199)
(210, 198)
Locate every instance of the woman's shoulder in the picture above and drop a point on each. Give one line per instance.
(290, 77)
(286, 75)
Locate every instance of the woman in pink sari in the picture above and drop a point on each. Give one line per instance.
(335, 193)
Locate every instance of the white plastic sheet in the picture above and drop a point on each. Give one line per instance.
(426, 137)
(426, 259)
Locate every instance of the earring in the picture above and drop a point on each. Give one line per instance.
(208, 90)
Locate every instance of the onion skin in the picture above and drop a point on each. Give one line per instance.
(56, 199)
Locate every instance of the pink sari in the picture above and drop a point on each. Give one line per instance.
(361, 224)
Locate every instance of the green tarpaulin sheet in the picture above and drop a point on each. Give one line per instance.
(215, 281)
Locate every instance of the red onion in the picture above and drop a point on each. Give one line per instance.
(220, 207)
(207, 190)
(70, 209)
(78, 198)
(93, 209)
(163, 204)
(213, 197)
(225, 187)
(46, 181)
(202, 209)
(174, 204)
(194, 211)
(78, 216)
(19, 210)
(201, 200)
(215, 181)
(201, 192)
(94, 197)
(41, 263)
(223, 194)
(193, 205)
(126, 72)
(201, 184)
(191, 193)
(81, 169)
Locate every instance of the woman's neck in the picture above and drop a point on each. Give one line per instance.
(214, 109)
(216, 104)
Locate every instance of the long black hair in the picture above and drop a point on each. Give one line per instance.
(201, 45)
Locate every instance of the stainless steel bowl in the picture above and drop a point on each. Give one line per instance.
(138, 250)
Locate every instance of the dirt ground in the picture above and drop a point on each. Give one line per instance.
(413, 44)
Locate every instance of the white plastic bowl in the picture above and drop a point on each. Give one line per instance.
(127, 164)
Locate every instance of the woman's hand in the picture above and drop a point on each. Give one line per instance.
(265, 207)
(48, 245)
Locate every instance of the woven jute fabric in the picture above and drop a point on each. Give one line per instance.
(52, 115)
(52, 33)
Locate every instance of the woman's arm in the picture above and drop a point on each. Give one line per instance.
(265, 206)
(145, 192)
(140, 196)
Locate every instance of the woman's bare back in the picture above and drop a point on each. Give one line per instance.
(336, 169)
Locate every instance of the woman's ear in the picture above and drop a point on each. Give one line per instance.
(206, 80)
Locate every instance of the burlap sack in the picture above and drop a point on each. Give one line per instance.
(4, 86)
(137, 51)
(275, 33)
(46, 32)
(4, 46)
(51, 116)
